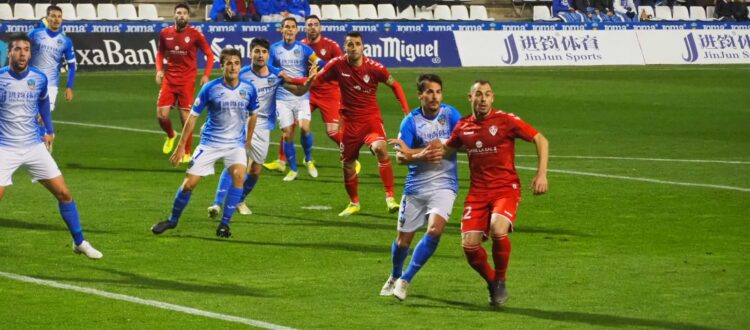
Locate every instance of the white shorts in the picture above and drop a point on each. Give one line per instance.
(204, 159)
(260, 141)
(36, 159)
(416, 209)
(290, 111)
(52, 92)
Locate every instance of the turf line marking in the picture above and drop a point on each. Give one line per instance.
(620, 177)
(152, 303)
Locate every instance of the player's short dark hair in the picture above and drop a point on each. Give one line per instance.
(354, 34)
(288, 19)
(424, 78)
(182, 5)
(227, 52)
(313, 16)
(17, 37)
(260, 42)
(481, 82)
(53, 8)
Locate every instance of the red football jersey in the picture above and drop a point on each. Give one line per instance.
(490, 144)
(358, 85)
(180, 49)
(326, 49)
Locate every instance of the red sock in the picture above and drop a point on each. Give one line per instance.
(501, 255)
(477, 258)
(386, 175)
(189, 144)
(335, 136)
(166, 126)
(351, 187)
(282, 155)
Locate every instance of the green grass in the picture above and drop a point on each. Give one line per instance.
(595, 252)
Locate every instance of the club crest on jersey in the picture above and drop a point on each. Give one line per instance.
(244, 92)
(59, 42)
(441, 119)
(31, 83)
(187, 39)
(323, 52)
(197, 101)
(271, 81)
(366, 78)
(493, 130)
(296, 52)
(479, 144)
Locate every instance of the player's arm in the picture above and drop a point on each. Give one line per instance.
(206, 49)
(187, 130)
(44, 112)
(160, 60)
(252, 106)
(399, 92)
(539, 184)
(70, 59)
(300, 86)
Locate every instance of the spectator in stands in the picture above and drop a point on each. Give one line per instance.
(224, 11)
(723, 11)
(267, 11)
(644, 16)
(299, 9)
(739, 10)
(600, 10)
(566, 10)
(626, 8)
(246, 10)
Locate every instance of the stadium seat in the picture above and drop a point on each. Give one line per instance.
(407, 13)
(207, 16)
(680, 13)
(69, 12)
(423, 13)
(23, 11)
(40, 10)
(349, 11)
(315, 10)
(442, 12)
(386, 11)
(648, 9)
(86, 11)
(710, 11)
(368, 11)
(330, 12)
(541, 13)
(663, 12)
(5, 12)
(147, 11)
(459, 12)
(127, 12)
(479, 12)
(106, 11)
(697, 13)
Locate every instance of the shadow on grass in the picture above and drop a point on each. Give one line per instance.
(603, 320)
(342, 246)
(76, 166)
(11, 223)
(128, 279)
(343, 222)
(551, 231)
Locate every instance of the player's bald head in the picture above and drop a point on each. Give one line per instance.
(479, 82)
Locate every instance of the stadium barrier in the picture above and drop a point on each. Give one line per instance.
(132, 45)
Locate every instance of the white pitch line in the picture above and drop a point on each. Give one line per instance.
(152, 303)
(630, 178)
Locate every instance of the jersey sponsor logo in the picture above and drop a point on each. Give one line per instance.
(479, 144)
(468, 132)
(346, 75)
(170, 38)
(493, 130)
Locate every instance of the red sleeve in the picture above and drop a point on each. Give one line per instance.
(455, 140)
(160, 52)
(336, 50)
(522, 129)
(328, 73)
(400, 96)
(381, 73)
(206, 49)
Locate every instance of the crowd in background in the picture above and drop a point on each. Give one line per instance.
(583, 11)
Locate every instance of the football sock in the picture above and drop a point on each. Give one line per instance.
(225, 181)
(166, 126)
(180, 201)
(386, 175)
(69, 213)
(248, 185)
(307, 144)
(233, 197)
(398, 256)
(351, 187)
(282, 156)
(422, 252)
(501, 255)
(291, 155)
(477, 258)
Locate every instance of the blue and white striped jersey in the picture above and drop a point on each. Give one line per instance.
(228, 110)
(294, 60)
(47, 52)
(266, 86)
(417, 131)
(20, 95)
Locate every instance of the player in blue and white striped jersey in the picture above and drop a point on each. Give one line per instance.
(431, 185)
(267, 80)
(50, 49)
(23, 97)
(232, 104)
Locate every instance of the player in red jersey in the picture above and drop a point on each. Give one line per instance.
(179, 44)
(358, 77)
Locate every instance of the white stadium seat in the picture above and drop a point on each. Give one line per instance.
(5, 12)
(442, 12)
(147, 11)
(697, 13)
(479, 12)
(680, 13)
(368, 11)
(208, 12)
(86, 11)
(349, 11)
(386, 11)
(106, 11)
(23, 11)
(127, 12)
(710, 11)
(407, 13)
(330, 12)
(541, 13)
(422, 13)
(40, 9)
(69, 12)
(315, 10)
(459, 12)
(663, 12)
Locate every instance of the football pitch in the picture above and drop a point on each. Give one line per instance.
(645, 225)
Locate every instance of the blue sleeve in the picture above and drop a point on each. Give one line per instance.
(252, 106)
(202, 100)
(455, 116)
(44, 110)
(271, 56)
(407, 131)
(70, 58)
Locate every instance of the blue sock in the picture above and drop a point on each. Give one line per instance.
(291, 155)
(225, 181)
(180, 201)
(247, 187)
(398, 256)
(422, 253)
(69, 213)
(307, 144)
(233, 197)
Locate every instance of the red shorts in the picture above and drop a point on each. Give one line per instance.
(358, 132)
(478, 209)
(182, 94)
(329, 107)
